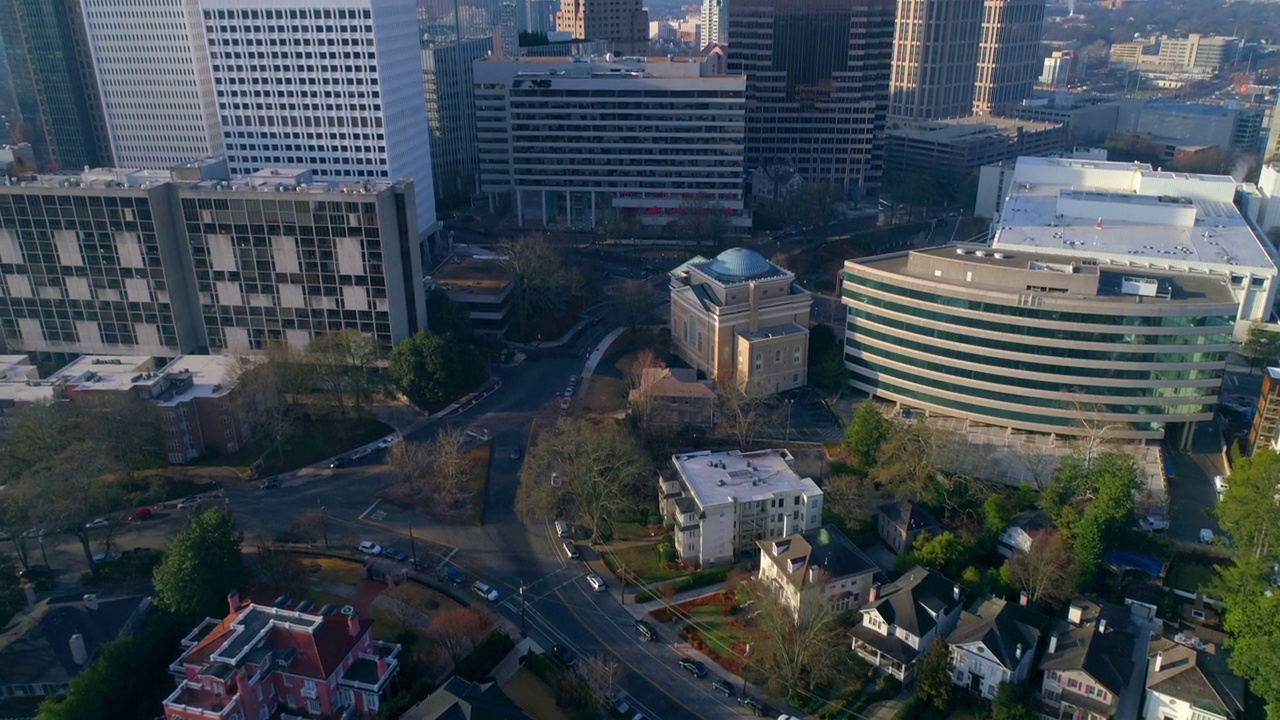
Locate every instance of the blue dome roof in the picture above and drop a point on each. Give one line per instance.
(740, 262)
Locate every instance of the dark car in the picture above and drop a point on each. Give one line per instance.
(754, 705)
(722, 686)
(340, 461)
(564, 656)
(646, 631)
(693, 667)
(35, 571)
(291, 536)
(270, 483)
(396, 554)
(457, 576)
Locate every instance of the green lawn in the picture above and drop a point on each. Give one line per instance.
(643, 561)
(1191, 572)
(624, 531)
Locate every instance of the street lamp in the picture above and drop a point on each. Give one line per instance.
(790, 402)
(324, 529)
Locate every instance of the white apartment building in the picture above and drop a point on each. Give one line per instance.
(582, 143)
(1268, 214)
(1128, 215)
(722, 503)
(714, 20)
(153, 75)
(333, 86)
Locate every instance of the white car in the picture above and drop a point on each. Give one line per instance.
(483, 590)
(99, 523)
(1206, 536)
(361, 453)
(189, 502)
(596, 582)
(1220, 484)
(368, 547)
(388, 441)
(1153, 524)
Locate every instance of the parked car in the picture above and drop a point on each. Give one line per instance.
(35, 571)
(564, 655)
(1220, 485)
(1206, 536)
(457, 576)
(752, 704)
(693, 667)
(571, 551)
(388, 441)
(620, 704)
(340, 461)
(190, 502)
(361, 454)
(596, 582)
(483, 590)
(563, 529)
(291, 536)
(142, 513)
(368, 547)
(516, 453)
(646, 631)
(722, 686)
(1153, 524)
(269, 483)
(34, 533)
(99, 523)
(396, 554)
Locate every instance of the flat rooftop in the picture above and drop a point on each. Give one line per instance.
(1122, 212)
(715, 478)
(211, 376)
(968, 129)
(484, 274)
(1174, 287)
(105, 372)
(266, 180)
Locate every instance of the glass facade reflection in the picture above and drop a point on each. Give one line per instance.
(817, 85)
(54, 84)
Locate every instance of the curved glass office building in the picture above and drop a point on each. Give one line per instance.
(1050, 344)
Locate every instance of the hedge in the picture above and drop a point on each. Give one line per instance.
(699, 579)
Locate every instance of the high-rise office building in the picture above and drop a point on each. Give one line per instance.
(625, 23)
(1009, 58)
(538, 16)
(714, 23)
(158, 262)
(342, 99)
(451, 114)
(153, 75)
(935, 56)
(54, 84)
(817, 74)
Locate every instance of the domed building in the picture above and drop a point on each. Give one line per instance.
(741, 319)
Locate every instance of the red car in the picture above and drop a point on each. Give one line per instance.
(142, 513)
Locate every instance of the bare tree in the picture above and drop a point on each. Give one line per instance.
(127, 428)
(280, 570)
(907, 461)
(449, 465)
(635, 301)
(796, 644)
(343, 361)
(410, 463)
(457, 630)
(850, 496)
(539, 276)
(1044, 572)
(68, 491)
(598, 469)
(702, 219)
(601, 674)
(740, 412)
(642, 383)
(1039, 465)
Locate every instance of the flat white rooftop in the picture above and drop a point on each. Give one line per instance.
(105, 372)
(16, 367)
(211, 376)
(715, 478)
(1126, 212)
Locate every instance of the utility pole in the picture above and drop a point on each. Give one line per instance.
(413, 547)
(324, 527)
(522, 629)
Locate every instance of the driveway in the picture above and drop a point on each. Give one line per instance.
(1191, 493)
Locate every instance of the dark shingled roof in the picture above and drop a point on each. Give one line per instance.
(913, 601)
(824, 548)
(460, 699)
(35, 647)
(1196, 677)
(908, 515)
(1106, 656)
(1001, 627)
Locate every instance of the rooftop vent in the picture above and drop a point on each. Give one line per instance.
(961, 251)
(998, 256)
(980, 253)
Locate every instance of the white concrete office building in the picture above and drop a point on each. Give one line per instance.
(722, 503)
(333, 86)
(153, 75)
(1128, 215)
(580, 144)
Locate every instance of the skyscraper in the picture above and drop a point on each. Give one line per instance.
(1009, 58)
(153, 74)
(343, 98)
(625, 23)
(817, 73)
(713, 22)
(935, 56)
(54, 83)
(451, 114)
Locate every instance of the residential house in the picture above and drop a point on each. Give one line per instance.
(1024, 529)
(995, 644)
(675, 397)
(902, 619)
(816, 564)
(722, 503)
(460, 699)
(1186, 682)
(44, 647)
(261, 660)
(901, 523)
(1087, 663)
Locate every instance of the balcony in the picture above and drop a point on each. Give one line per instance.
(192, 699)
(309, 690)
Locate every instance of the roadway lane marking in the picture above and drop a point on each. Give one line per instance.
(369, 509)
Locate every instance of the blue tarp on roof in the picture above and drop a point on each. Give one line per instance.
(1125, 560)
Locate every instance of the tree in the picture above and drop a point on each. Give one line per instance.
(933, 676)
(446, 317)
(68, 491)
(641, 383)
(866, 434)
(280, 570)
(1091, 500)
(201, 565)
(635, 301)
(448, 466)
(944, 552)
(11, 596)
(459, 629)
(1044, 571)
(1250, 508)
(600, 468)
(908, 460)
(343, 361)
(261, 400)
(740, 412)
(410, 462)
(127, 427)
(601, 675)
(1261, 345)
(795, 647)
(39, 431)
(702, 219)
(539, 275)
(850, 496)
(432, 369)
(1010, 703)
(826, 360)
